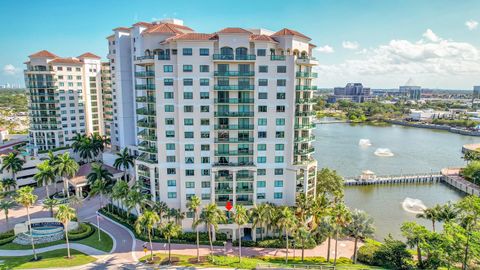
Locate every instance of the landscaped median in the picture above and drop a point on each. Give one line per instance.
(49, 259)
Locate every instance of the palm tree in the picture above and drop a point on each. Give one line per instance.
(177, 215)
(77, 142)
(147, 221)
(50, 204)
(360, 227)
(99, 187)
(52, 161)
(303, 232)
(259, 214)
(66, 167)
(45, 175)
(100, 180)
(449, 212)
(75, 202)
(5, 206)
(342, 217)
(134, 199)
(211, 216)
(64, 215)
(433, 214)
(169, 231)
(240, 217)
(326, 227)
(8, 184)
(415, 235)
(161, 208)
(286, 221)
(120, 192)
(12, 163)
(98, 144)
(124, 160)
(193, 206)
(26, 198)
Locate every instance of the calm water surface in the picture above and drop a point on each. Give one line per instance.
(414, 151)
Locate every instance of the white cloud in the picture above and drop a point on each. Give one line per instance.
(436, 60)
(430, 35)
(471, 24)
(10, 69)
(325, 49)
(350, 45)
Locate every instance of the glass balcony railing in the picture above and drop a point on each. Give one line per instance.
(223, 190)
(245, 178)
(45, 101)
(247, 202)
(151, 149)
(149, 158)
(304, 101)
(306, 87)
(234, 127)
(307, 126)
(234, 87)
(234, 73)
(233, 114)
(305, 151)
(306, 74)
(234, 153)
(234, 100)
(163, 57)
(304, 139)
(146, 99)
(146, 124)
(233, 164)
(305, 114)
(233, 140)
(277, 57)
(234, 57)
(244, 190)
(145, 57)
(42, 94)
(149, 73)
(145, 111)
(224, 178)
(145, 86)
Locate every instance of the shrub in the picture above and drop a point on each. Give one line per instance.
(7, 234)
(344, 260)
(365, 252)
(393, 254)
(84, 231)
(7, 240)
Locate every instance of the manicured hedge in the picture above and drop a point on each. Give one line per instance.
(365, 253)
(83, 231)
(7, 237)
(276, 243)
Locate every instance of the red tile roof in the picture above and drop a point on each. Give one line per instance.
(312, 45)
(167, 28)
(89, 55)
(234, 30)
(192, 36)
(121, 29)
(43, 54)
(290, 32)
(145, 24)
(262, 38)
(66, 61)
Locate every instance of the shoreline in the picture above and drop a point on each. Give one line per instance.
(435, 127)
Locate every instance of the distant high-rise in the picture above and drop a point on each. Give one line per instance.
(411, 90)
(476, 91)
(352, 91)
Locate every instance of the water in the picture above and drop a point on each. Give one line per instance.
(414, 151)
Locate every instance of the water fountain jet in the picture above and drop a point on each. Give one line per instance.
(383, 152)
(364, 143)
(414, 206)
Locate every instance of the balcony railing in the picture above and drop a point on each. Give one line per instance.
(233, 140)
(149, 73)
(163, 57)
(146, 124)
(42, 94)
(306, 87)
(145, 86)
(308, 126)
(146, 99)
(245, 178)
(234, 127)
(305, 114)
(233, 114)
(234, 73)
(224, 178)
(277, 57)
(233, 87)
(234, 153)
(145, 57)
(244, 190)
(152, 150)
(234, 57)
(145, 111)
(304, 139)
(145, 157)
(305, 151)
(234, 100)
(223, 190)
(45, 101)
(304, 100)
(306, 74)
(233, 164)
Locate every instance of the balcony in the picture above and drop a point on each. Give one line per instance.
(304, 161)
(149, 73)
(163, 57)
(224, 178)
(234, 127)
(145, 111)
(234, 73)
(306, 151)
(304, 100)
(42, 94)
(144, 57)
(146, 124)
(244, 190)
(151, 149)
(277, 57)
(234, 164)
(145, 99)
(223, 190)
(234, 153)
(234, 100)
(233, 140)
(145, 157)
(306, 75)
(247, 202)
(45, 101)
(234, 87)
(305, 87)
(233, 114)
(244, 178)
(43, 109)
(148, 136)
(237, 57)
(145, 86)
(302, 139)
(307, 126)
(305, 114)
(307, 61)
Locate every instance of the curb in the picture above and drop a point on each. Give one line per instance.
(134, 242)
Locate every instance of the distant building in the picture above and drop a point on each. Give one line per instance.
(411, 90)
(476, 91)
(3, 135)
(429, 114)
(352, 91)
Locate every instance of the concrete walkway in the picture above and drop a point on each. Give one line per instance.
(25, 252)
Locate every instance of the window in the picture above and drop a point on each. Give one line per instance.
(261, 159)
(262, 121)
(262, 69)
(205, 147)
(261, 172)
(188, 121)
(205, 134)
(281, 69)
(260, 196)
(280, 134)
(187, 95)
(170, 133)
(280, 108)
(281, 82)
(205, 160)
(262, 134)
(187, 51)
(170, 158)
(205, 172)
(187, 68)
(204, 68)
(168, 95)
(172, 195)
(169, 108)
(280, 121)
(204, 108)
(188, 108)
(278, 183)
(281, 95)
(204, 82)
(278, 171)
(262, 108)
(205, 184)
(262, 82)
(170, 146)
(169, 121)
(172, 183)
(189, 147)
(188, 135)
(261, 184)
(187, 82)
(190, 214)
(204, 122)
(279, 159)
(205, 196)
(167, 68)
(279, 147)
(189, 160)
(262, 147)
(277, 195)
(204, 51)
(189, 172)
(262, 95)
(167, 81)
(204, 95)
(189, 184)
(261, 52)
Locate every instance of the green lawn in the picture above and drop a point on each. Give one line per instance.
(247, 263)
(105, 244)
(55, 258)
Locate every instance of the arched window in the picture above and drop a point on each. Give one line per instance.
(304, 54)
(296, 52)
(147, 52)
(226, 51)
(241, 51)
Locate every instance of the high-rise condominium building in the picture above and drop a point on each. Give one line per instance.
(65, 98)
(225, 116)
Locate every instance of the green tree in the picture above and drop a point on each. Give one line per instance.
(286, 221)
(8, 184)
(5, 206)
(146, 221)
(240, 217)
(341, 218)
(211, 216)
(433, 214)
(193, 205)
(45, 175)
(448, 212)
(66, 167)
(360, 227)
(120, 192)
(393, 254)
(469, 219)
(50, 204)
(259, 214)
(13, 164)
(329, 183)
(169, 231)
(65, 214)
(76, 202)
(416, 235)
(124, 161)
(26, 198)
(100, 180)
(135, 199)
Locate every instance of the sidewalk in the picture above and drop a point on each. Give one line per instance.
(80, 247)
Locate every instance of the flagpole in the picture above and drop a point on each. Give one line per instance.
(98, 226)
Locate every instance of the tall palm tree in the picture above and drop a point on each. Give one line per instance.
(342, 217)
(415, 235)
(169, 231)
(303, 232)
(124, 161)
(26, 198)
(77, 142)
(45, 175)
(211, 216)
(75, 202)
(5, 206)
(193, 205)
(66, 167)
(120, 192)
(259, 214)
(433, 214)
(135, 199)
(240, 217)
(100, 180)
(99, 187)
(161, 208)
(8, 184)
(50, 204)
(65, 214)
(360, 227)
(177, 215)
(286, 221)
(52, 161)
(147, 221)
(12, 163)
(448, 212)
(98, 145)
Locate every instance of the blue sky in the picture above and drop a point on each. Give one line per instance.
(381, 43)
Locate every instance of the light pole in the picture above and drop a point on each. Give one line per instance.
(98, 226)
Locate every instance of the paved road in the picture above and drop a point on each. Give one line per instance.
(80, 247)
